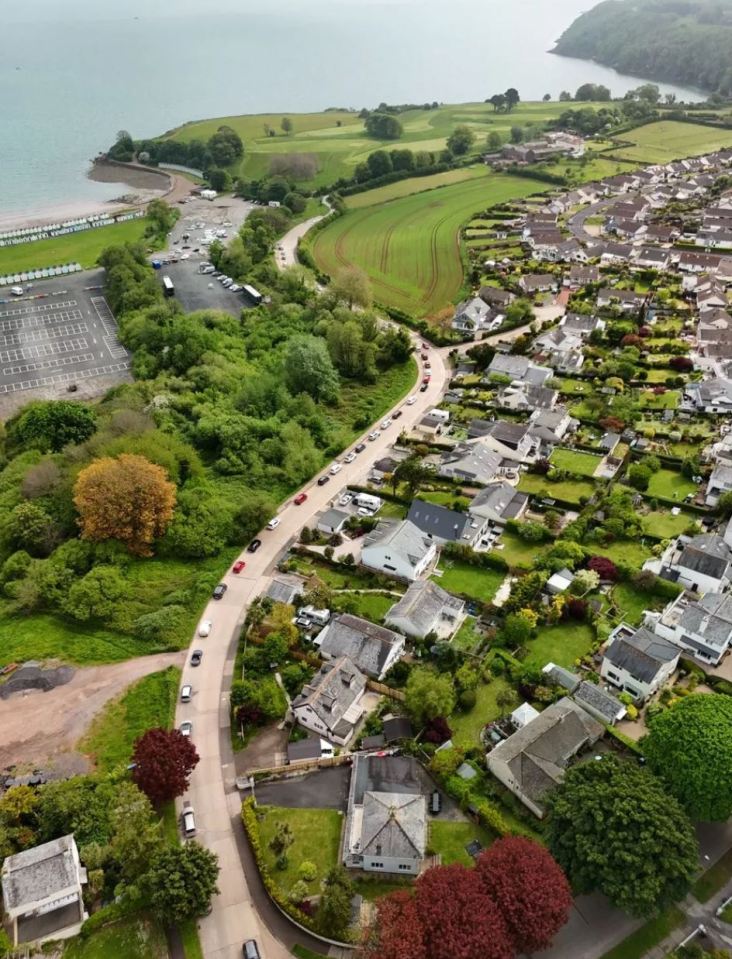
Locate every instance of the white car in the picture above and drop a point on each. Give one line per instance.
(411, 401)
(185, 256)
(350, 458)
(273, 523)
(335, 468)
(205, 628)
(186, 728)
(374, 436)
(386, 423)
(345, 499)
(16, 290)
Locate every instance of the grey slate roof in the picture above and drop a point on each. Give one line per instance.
(562, 677)
(707, 554)
(404, 538)
(422, 604)
(397, 727)
(600, 701)
(333, 518)
(332, 690)
(438, 521)
(394, 825)
(367, 645)
(514, 366)
(499, 499)
(285, 587)
(642, 655)
(304, 749)
(471, 461)
(711, 618)
(40, 873)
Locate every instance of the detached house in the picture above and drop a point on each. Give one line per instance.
(471, 462)
(329, 705)
(625, 300)
(703, 626)
(513, 441)
(373, 649)
(700, 563)
(538, 283)
(446, 525)
(498, 503)
(426, 608)
(638, 662)
(474, 315)
(518, 369)
(400, 550)
(720, 482)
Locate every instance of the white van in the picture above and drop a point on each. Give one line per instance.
(16, 290)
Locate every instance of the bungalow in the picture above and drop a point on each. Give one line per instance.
(612, 253)
(400, 550)
(561, 349)
(580, 276)
(625, 300)
(534, 759)
(698, 262)
(286, 588)
(498, 503)
(710, 396)
(513, 441)
(472, 462)
(582, 324)
(652, 258)
(527, 398)
(538, 283)
(518, 369)
(638, 662)
(373, 649)
(495, 297)
(332, 521)
(426, 608)
(445, 525)
(557, 420)
(330, 704)
(703, 626)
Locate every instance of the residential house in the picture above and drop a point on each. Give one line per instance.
(373, 649)
(398, 549)
(703, 626)
(309, 749)
(286, 588)
(498, 503)
(330, 704)
(472, 462)
(719, 483)
(581, 324)
(710, 396)
(426, 608)
(333, 521)
(519, 369)
(495, 297)
(445, 525)
(580, 276)
(471, 315)
(625, 300)
(534, 759)
(557, 420)
(561, 349)
(652, 258)
(534, 283)
(600, 704)
(513, 441)
(526, 397)
(638, 661)
(700, 563)
(43, 892)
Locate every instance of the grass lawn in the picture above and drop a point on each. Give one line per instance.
(669, 400)
(473, 581)
(519, 552)
(353, 579)
(467, 638)
(569, 490)
(409, 247)
(302, 953)
(632, 602)
(83, 248)
(561, 644)
(574, 461)
(189, 938)
(669, 140)
(356, 399)
(133, 938)
(449, 839)
(638, 943)
(726, 914)
(394, 191)
(663, 525)
(669, 484)
(711, 881)
(317, 834)
(150, 702)
(625, 551)
(372, 606)
(444, 498)
(466, 727)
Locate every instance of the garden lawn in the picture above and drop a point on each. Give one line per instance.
(663, 525)
(625, 551)
(519, 552)
(576, 462)
(372, 886)
(561, 644)
(640, 942)
(668, 484)
(466, 727)
(409, 247)
(317, 834)
(632, 602)
(137, 937)
(467, 637)
(149, 703)
(372, 606)
(669, 140)
(669, 400)
(83, 248)
(449, 839)
(477, 582)
(571, 490)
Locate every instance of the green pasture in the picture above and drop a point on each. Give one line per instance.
(669, 140)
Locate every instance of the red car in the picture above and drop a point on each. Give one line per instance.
(300, 499)
(238, 566)
(426, 380)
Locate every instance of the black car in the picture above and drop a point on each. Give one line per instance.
(196, 657)
(397, 415)
(250, 950)
(323, 480)
(220, 590)
(423, 388)
(435, 803)
(254, 546)
(360, 448)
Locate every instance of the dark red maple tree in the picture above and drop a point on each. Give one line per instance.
(164, 760)
(604, 567)
(397, 931)
(459, 920)
(529, 888)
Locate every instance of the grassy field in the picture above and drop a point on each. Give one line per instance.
(569, 490)
(669, 140)
(338, 140)
(466, 727)
(473, 581)
(449, 839)
(561, 644)
(147, 704)
(134, 938)
(574, 461)
(371, 606)
(409, 247)
(83, 248)
(665, 526)
(420, 184)
(317, 834)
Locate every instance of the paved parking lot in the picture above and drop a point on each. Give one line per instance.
(62, 332)
(197, 291)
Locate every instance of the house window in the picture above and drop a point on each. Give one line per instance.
(392, 568)
(406, 868)
(377, 865)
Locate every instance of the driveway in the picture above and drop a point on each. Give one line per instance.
(324, 789)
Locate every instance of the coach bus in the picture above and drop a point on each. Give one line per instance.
(254, 295)
(168, 287)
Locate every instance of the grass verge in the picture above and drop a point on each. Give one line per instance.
(711, 881)
(138, 937)
(637, 944)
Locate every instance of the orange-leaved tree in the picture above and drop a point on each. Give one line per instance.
(126, 498)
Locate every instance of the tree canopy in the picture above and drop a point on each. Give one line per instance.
(383, 126)
(182, 881)
(429, 694)
(50, 425)
(164, 760)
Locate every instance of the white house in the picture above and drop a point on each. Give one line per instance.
(720, 482)
(703, 626)
(700, 563)
(472, 315)
(638, 661)
(400, 550)
(373, 649)
(43, 892)
(330, 704)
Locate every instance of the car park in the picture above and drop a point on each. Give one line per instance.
(374, 436)
(349, 458)
(219, 591)
(238, 566)
(188, 820)
(273, 523)
(360, 448)
(186, 728)
(411, 401)
(196, 657)
(205, 628)
(323, 480)
(254, 545)
(335, 469)
(186, 692)
(300, 499)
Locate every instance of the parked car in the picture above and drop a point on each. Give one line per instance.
(350, 457)
(345, 499)
(435, 802)
(360, 448)
(323, 480)
(254, 545)
(398, 414)
(196, 657)
(300, 499)
(385, 424)
(251, 950)
(186, 728)
(186, 692)
(423, 387)
(188, 820)
(238, 566)
(423, 356)
(205, 628)
(411, 401)
(335, 469)
(273, 523)
(219, 591)
(374, 436)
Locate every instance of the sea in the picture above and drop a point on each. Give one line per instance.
(74, 72)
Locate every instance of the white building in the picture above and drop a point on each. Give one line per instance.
(400, 550)
(330, 704)
(701, 563)
(703, 626)
(638, 661)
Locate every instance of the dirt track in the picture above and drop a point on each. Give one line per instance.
(40, 728)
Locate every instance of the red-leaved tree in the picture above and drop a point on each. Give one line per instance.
(682, 364)
(164, 760)
(397, 931)
(604, 567)
(529, 888)
(459, 920)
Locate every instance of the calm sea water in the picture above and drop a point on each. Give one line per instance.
(73, 72)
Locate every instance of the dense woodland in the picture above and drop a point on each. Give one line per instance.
(679, 41)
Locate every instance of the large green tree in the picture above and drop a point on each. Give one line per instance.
(429, 694)
(690, 748)
(181, 882)
(308, 368)
(52, 424)
(613, 829)
(460, 140)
